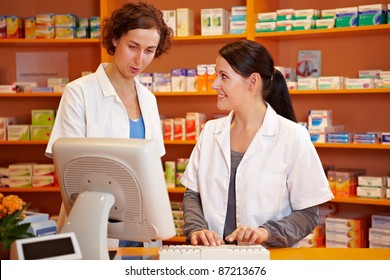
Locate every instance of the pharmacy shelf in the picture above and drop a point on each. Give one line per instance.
(341, 91)
(339, 31)
(353, 146)
(177, 239)
(50, 41)
(30, 190)
(214, 93)
(30, 94)
(209, 38)
(176, 190)
(193, 142)
(362, 200)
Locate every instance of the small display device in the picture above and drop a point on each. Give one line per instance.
(62, 246)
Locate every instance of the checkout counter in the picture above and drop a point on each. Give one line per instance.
(290, 253)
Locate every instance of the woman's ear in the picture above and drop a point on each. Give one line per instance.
(254, 80)
(114, 42)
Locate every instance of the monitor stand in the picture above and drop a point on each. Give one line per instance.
(88, 220)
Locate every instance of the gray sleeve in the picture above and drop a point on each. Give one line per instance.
(291, 229)
(192, 214)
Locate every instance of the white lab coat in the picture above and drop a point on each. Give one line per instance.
(280, 172)
(90, 107)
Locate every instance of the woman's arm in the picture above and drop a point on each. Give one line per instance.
(291, 229)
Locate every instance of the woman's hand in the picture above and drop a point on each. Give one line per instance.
(249, 235)
(206, 237)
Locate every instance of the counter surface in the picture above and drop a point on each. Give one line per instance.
(291, 253)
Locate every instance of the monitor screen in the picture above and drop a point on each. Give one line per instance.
(112, 188)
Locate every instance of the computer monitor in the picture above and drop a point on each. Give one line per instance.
(112, 188)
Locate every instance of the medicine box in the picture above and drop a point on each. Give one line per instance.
(347, 17)
(284, 25)
(194, 124)
(20, 182)
(65, 20)
(265, 26)
(179, 79)
(372, 14)
(18, 170)
(351, 83)
(45, 19)
(371, 181)
(303, 24)
(168, 129)
(65, 32)
(237, 27)
(320, 118)
(371, 192)
(285, 14)
(192, 80)
(201, 71)
(18, 132)
(379, 235)
(170, 174)
(380, 220)
(330, 83)
(42, 181)
(40, 132)
(42, 169)
(214, 21)
(307, 83)
(179, 126)
(3, 28)
(45, 32)
(42, 117)
(328, 14)
(14, 27)
(325, 23)
(266, 17)
(238, 13)
(29, 27)
(170, 19)
(307, 14)
(184, 22)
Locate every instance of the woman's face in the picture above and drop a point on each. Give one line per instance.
(135, 50)
(229, 85)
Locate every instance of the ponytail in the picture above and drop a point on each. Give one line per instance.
(277, 95)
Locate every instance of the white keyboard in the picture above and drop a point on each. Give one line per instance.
(222, 252)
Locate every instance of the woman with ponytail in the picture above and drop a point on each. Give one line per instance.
(254, 176)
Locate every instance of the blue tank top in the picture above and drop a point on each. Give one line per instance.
(137, 128)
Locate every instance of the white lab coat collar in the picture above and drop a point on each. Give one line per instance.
(108, 91)
(269, 129)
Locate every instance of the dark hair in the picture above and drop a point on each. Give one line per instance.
(247, 57)
(135, 16)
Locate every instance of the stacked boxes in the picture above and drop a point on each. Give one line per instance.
(372, 187)
(45, 26)
(346, 231)
(43, 175)
(238, 22)
(177, 214)
(343, 181)
(379, 233)
(320, 124)
(41, 124)
(65, 25)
